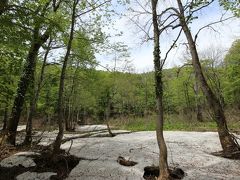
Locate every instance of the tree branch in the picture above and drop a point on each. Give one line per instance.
(180, 68)
(85, 12)
(172, 46)
(210, 26)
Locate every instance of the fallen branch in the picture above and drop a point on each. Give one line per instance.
(121, 160)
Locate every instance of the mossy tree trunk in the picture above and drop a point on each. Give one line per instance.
(35, 96)
(163, 163)
(26, 78)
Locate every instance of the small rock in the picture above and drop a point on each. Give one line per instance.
(35, 176)
(19, 159)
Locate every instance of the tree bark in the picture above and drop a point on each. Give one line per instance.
(69, 125)
(188, 110)
(197, 101)
(67, 119)
(163, 163)
(25, 80)
(27, 76)
(59, 137)
(5, 118)
(107, 115)
(228, 142)
(34, 99)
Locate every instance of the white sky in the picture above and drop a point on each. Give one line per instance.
(141, 54)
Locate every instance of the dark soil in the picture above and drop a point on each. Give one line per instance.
(62, 164)
(151, 172)
(10, 173)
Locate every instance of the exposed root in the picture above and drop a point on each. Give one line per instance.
(152, 173)
(61, 164)
(230, 155)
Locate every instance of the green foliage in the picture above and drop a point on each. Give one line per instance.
(232, 74)
(172, 123)
(11, 58)
(88, 91)
(232, 5)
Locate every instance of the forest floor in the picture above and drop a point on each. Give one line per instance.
(98, 154)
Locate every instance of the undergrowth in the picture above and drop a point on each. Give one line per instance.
(170, 124)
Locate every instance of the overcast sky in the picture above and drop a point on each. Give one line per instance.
(141, 53)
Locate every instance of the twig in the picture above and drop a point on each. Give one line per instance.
(70, 146)
(209, 26)
(171, 47)
(180, 68)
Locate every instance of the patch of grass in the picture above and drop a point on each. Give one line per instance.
(170, 124)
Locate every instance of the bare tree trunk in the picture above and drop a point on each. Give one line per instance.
(28, 137)
(187, 111)
(5, 118)
(47, 104)
(67, 120)
(77, 118)
(34, 99)
(197, 101)
(107, 115)
(146, 97)
(163, 163)
(59, 137)
(228, 142)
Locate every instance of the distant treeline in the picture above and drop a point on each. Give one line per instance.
(89, 93)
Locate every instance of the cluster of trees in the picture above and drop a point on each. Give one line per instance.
(48, 69)
(180, 17)
(177, 17)
(47, 47)
(87, 90)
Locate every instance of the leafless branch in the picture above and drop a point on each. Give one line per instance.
(207, 4)
(169, 25)
(142, 29)
(70, 146)
(85, 12)
(98, 64)
(180, 68)
(145, 10)
(210, 26)
(171, 47)
(167, 18)
(169, 9)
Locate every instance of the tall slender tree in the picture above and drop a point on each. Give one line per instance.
(59, 137)
(163, 163)
(38, 39)
(228, 142)
(35, 96)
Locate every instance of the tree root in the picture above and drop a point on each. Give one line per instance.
(230, 155)
(152, 172)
